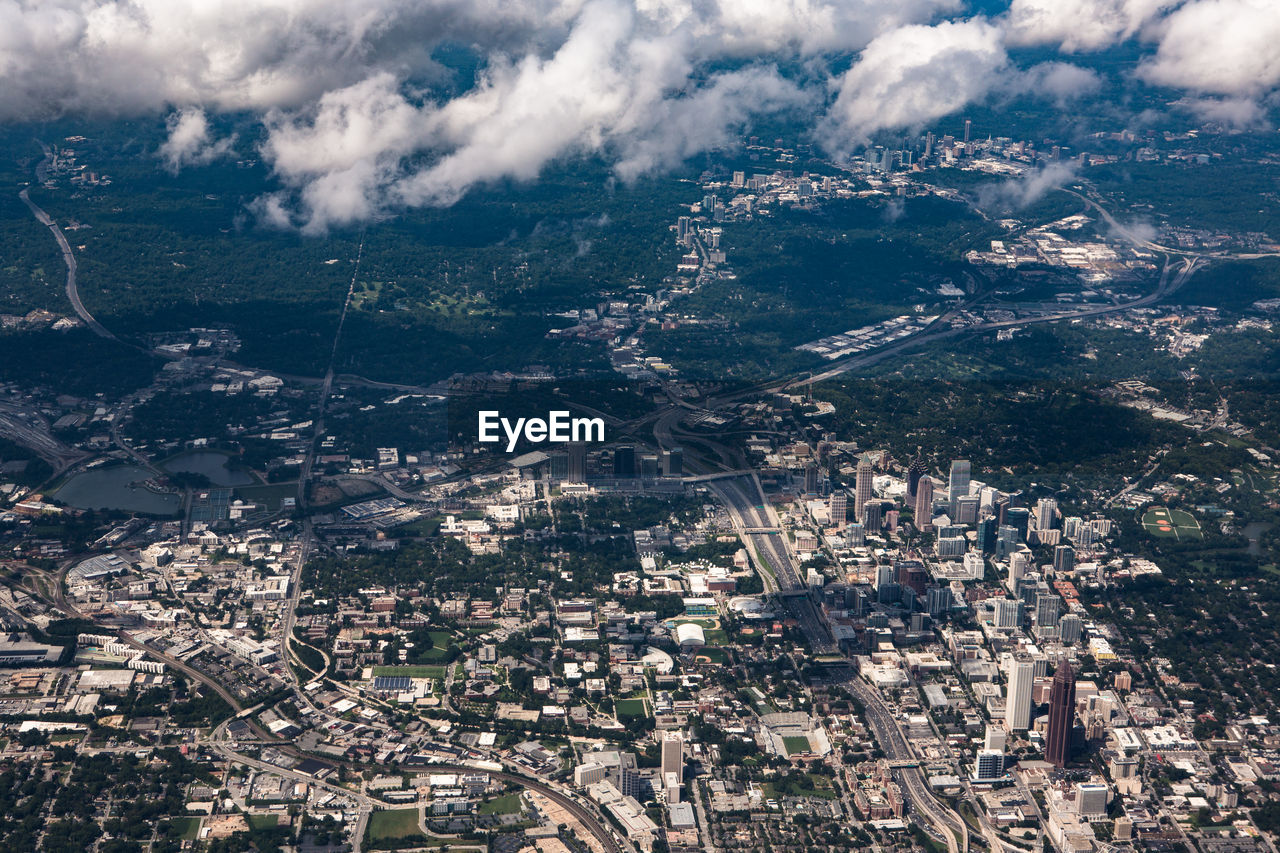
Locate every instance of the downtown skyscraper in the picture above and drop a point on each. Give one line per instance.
(957, 483)
(1021, 675)
(863, 486)
(924, 503)
(1062, 715)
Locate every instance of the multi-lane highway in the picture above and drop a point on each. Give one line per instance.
(73, 292)
(1169, 282)
(946, 823)
(757, 524)
(30, 429)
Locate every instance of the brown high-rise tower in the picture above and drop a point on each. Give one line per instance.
(1062, 715)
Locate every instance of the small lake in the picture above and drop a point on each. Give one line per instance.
(212, 465)
(1253, 532)
(113, 488)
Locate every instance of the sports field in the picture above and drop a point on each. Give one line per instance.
(393, 824)
(1171, 523)
(632, 708)
(796, 745)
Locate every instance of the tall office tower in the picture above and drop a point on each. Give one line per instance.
(924, 503)
(1062, 715)
(855, 535)
(1020, 518)
(1071, 526)
(928, 144)
(1091, 799)
(937, 600)
(1017, 704)
(858, 606)
(624, 462)
(968, 127)
(1070, 629)
(989, 765)
(811, 479)
(1047, 610)
(839, 504)
(673, 755)
(577, 462)
(872, 515)
(559, 466)
(913, 575)
(975, 565)
(1006, 543)
(1008, 613)
(1124, 767)
(966, 509)
(1064, 558)
(649, 466)
(629, 781)
(1027, 588)
(987, 500)
(673, 462)
(986, 539)
(885, 575)
(1000, 508)
(682, 228)
(865, 475)
(958, 483)
(995, 738)
(950, 547)
(1046, 513)
(914, 473)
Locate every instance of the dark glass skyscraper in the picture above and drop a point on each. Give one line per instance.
(987, 530)
(1019, 517)
(1062, 715)
(624, 462)
(577, 462)
(914, 473)
(811, 479)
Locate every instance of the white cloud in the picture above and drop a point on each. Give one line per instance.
(607, 89)
(1060, 82)
(1135, 231)
(354, 129)
(800, 27)
(144, 55)
(1028, 189)
(1080, 25)
(1232, 113)
(189, 141)
(913, 75)
(1221, 47)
